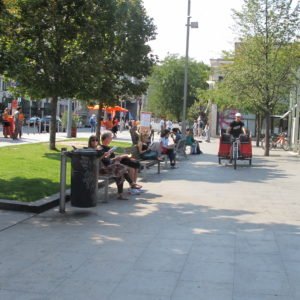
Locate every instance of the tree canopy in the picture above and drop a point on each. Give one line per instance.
(68, 48)
(166, 86)
(266, 58)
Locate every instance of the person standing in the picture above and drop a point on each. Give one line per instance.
(115, 127)
(162, 125)
(207, 132)
(169, 125)
(92, 123)
(21, 120)
(195, 128)
(17, 123)
(6, 124)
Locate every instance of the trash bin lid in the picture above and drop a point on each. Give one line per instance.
(86, 152)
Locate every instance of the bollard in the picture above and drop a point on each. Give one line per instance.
(63, 171)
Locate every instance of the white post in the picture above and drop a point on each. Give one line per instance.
(185, 91)
(69, 121)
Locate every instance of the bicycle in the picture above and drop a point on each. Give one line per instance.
(277, 141)
(235, 151)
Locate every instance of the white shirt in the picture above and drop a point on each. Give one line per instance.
(162, 123)
(164, 141)
(169, 124)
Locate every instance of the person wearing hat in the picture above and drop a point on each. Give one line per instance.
(237, 127)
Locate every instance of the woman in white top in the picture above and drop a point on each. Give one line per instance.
(166, 149)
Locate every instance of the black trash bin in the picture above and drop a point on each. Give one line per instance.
(84, 177)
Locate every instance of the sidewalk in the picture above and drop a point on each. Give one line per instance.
(201, 231)
(44, 137)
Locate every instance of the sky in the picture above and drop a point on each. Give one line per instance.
(208, 41)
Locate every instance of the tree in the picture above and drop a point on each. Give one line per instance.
(166, 86)
(126, 60)
(50, 47)
(263, 68)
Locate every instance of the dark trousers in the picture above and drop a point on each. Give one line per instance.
(171, 154)
(120, 183)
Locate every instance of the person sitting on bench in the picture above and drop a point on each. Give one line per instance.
(147, 151)
(132, 164)
(166, 148)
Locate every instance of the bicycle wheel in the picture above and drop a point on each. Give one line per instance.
(235, 156)
(234, 163)
(285, 145)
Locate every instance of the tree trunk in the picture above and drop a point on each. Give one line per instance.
(267, 136)
(258, 129)
(53, 122)
(98, 125)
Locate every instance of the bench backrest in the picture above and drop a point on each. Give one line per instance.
(180, 146)
(132, 150)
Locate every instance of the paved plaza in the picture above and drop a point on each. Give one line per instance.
(201, 231)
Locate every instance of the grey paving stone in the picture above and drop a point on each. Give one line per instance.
(164, 255)
(248, 244)
(259, 262)
(17, 295)
(120, 296)
(101, 270)
(46, 274)
(192, 290)
(211, 272)
(79, 289)
(243, 296)
(219, 240)
(211, 254)
(255, 282)
(148, 283)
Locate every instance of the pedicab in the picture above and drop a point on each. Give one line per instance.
(241, 148)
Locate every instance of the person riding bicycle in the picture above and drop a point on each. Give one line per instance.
(236, 128)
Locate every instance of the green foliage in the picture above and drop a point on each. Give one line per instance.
(126, 58)
(265, 60)
(75, 48)
(201, 106)
(75, 119)
(166, 86)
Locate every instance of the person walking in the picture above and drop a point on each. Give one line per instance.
(6, 124)
(92, 123)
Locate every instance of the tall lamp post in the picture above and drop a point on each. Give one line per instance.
(186, 67)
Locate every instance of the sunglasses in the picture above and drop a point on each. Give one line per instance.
(94, 140)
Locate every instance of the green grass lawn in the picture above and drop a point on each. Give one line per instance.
(30, 172)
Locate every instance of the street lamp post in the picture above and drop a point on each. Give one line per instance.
(186, 67)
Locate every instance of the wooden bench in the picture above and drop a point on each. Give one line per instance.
(145, 164)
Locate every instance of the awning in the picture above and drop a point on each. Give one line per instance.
(287, 113)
